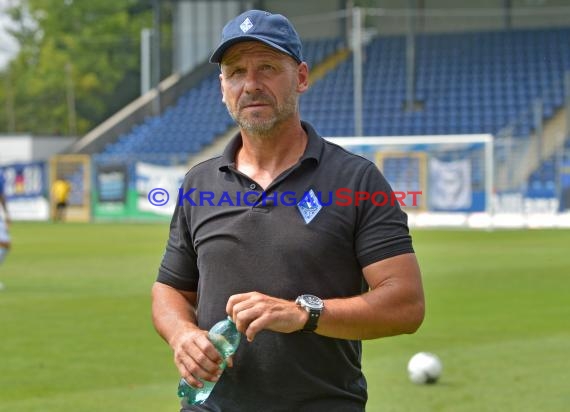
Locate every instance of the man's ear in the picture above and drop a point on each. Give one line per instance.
(302, 77)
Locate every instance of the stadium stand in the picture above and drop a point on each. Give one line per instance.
(192, 123)
(478, 82)
(469, 82)
(182, 129)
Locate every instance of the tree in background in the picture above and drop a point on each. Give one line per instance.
(79, 62)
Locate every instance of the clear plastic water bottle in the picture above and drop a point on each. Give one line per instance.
(225, 337)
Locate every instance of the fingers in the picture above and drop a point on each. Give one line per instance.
(254, 327)
(196, 358)
(246, 310)
(254, 312)
(238, 299)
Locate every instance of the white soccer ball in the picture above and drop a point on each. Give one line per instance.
(424, 367)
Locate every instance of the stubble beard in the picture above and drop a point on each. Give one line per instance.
(257, 124)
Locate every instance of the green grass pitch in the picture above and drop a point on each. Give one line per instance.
(76, 332)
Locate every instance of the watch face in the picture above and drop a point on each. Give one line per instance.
(312, 301)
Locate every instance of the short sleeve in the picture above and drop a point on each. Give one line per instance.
(178, 267)
(382, 226)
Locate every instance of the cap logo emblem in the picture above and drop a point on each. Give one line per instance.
(246, 25)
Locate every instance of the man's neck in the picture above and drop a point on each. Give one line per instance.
(263, 158)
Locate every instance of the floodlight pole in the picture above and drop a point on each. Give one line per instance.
(146, 61)
(411, 57)
(357, 69)
(156, 55)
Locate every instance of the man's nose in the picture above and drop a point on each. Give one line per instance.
(252, 83)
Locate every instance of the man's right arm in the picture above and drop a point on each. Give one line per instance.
(174, 317)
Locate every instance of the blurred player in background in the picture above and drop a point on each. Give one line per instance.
(60, 194)
(4, 223)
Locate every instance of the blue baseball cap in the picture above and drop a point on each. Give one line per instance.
(272, 29)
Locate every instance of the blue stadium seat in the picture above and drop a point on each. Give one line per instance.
(475, 82)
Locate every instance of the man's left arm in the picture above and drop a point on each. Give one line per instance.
(394, 305)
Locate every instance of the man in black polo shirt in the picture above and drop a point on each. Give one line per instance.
(266, 233)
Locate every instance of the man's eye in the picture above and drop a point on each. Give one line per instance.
(236, 72)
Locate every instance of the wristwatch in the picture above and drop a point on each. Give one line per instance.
(314, 306)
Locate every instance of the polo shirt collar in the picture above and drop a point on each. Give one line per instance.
(314, 149)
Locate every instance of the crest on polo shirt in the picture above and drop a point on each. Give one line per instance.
(246, 25)
(309, 206)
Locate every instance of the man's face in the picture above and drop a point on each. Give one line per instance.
(260, 86)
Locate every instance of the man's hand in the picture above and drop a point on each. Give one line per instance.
(195, 357)
(253, 312)
(174, 317)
